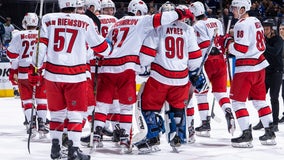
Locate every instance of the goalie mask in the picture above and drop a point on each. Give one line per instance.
(30, 20)
(137, 5)
(168, 6)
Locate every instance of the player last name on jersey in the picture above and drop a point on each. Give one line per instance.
(177, 31)
(69, 22)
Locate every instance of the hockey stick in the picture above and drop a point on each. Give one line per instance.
(227, 55)
(93, 112)
(35, 72)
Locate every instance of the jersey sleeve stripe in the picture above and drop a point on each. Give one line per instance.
(204, 44)
(44, 41)
(250, 61)
(66, 70)
(241, 48)
(195, 54)
(120, 61)
(12, 55)
(169, 73)
(23, 69)
(157, 20)
(148, 51)
(100, 48)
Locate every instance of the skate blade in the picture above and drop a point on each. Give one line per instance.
(269, 142)
(203, 133)
(152, 149)
(191, 140)
(125, 150)
(175, 150)
(242, 145)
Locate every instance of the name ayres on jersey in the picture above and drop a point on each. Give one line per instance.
(69, 22)
(177, 31)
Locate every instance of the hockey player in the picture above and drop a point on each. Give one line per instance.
(106, 20)
(215, 67)
(93, 8)
(118, 70)
(21, 48)
(63, 39)
(173, 54)
(249, 79)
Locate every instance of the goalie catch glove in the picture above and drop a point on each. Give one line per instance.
(198, 81)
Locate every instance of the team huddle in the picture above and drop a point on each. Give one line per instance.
(81, 67)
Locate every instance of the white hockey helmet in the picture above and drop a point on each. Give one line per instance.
(67, 3)
(197, 8)
(30, 19)
(80, 3)
(95, 3)
(137, 5)
(168, 6)
(241, 3)
(108, 4)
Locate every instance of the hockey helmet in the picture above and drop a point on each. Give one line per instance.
(197, 8)
(168, 6)
(137, 5)
(108, 4)
(268, 22)
(67, 3)
(95, 3)
(80, 3)
(30, 19)
(241, 3)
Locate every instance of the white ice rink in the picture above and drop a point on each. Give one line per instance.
(13, 145)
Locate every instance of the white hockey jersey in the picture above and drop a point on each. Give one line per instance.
(127, 35)
(63, 39)
(106, 22)
(249, 45)
(172, 51)
(21, 49)
(205, 30)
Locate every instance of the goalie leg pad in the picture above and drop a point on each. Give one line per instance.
(177, 124)
(155, 124)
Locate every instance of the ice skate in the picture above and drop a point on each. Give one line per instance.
(282, 119)
(269, 136)
(244, 141)
(125, 144)
(116, 133)
(230, 121)
(148, 145)
(74, 153)
(32, 128)
(42, 129)
(26, 123)
(204, 129)
(55, 149)
(175, 142)
(97, 139)
(258, 126)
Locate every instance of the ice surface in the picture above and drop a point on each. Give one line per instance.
(13, 144)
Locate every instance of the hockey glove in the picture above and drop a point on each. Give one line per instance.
(34, 78)
(184, 12)
(225, 41)
(198, 81)
(13, 76)
(145, 71)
